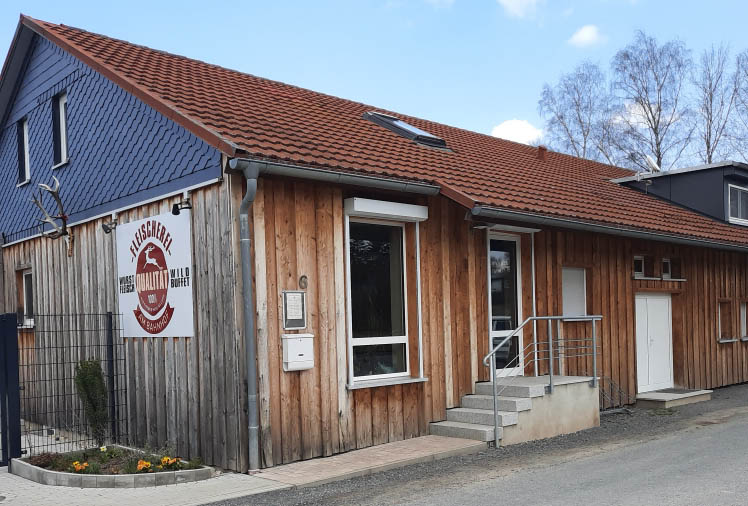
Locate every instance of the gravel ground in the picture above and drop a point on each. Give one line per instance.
(624, 428)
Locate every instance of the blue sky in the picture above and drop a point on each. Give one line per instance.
(474, 64)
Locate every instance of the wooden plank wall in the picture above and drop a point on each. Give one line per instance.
(188, 394)
(298, 230)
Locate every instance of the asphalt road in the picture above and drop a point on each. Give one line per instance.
(695, 454)
(700, 467)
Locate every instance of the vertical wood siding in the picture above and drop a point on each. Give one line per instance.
(185, 393)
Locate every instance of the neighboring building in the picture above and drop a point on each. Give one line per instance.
(405, 247)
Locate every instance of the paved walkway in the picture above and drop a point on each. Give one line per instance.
(17, 491)
(371, 460)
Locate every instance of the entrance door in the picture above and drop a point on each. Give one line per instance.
(504, 300)
(654, 342)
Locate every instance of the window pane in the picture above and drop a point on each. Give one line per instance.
(503, 260)
(639, 266)
(28, 289)
(378, 359)
(743, 322)
(377, 298)
(734, 203)
(573, 291)
(743, 204)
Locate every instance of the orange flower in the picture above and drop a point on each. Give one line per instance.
(144, 464)
(78, 467)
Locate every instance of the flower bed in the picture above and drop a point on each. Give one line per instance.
(112, 466)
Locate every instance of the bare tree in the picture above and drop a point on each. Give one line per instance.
(739, 127)
(652, 115)
(576, 111)
(716, 95)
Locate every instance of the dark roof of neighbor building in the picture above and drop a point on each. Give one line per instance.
(248, 116)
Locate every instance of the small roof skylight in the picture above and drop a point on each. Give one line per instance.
(404, 129)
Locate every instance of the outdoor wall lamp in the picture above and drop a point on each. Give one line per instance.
(108, 227)
(184, 204)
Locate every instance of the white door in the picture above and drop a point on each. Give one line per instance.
(505, 301)
(654, 342)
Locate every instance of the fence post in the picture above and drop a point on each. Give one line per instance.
(12, 400)
(113, 425)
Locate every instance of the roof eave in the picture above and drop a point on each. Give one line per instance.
(539, 219)
(200, 130)
(12, 68)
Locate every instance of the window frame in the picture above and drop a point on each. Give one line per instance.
(369, 341)
(24, 153)
(743, 319)
(729, 304)
(60, 133)
(584, 290)
(27, 280)
(639, 274)
(669, 274)
(730, 218)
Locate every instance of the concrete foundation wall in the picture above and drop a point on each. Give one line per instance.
(570, 408)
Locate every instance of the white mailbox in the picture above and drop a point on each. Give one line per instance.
(298, 352)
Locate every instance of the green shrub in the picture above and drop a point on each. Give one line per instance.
(89, 381)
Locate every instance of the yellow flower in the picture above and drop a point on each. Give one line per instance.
(143, 464)
(103, 448)
(164, 460)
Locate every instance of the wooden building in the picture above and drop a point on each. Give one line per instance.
(387, 254)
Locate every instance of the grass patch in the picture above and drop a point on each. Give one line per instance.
(111, 460)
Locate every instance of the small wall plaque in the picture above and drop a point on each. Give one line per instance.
(294, 310)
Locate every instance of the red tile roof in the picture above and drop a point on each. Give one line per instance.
(245, 115)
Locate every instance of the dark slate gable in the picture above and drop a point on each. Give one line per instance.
(121, 150)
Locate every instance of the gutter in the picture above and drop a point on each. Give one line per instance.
(489, 212)
(251, 170)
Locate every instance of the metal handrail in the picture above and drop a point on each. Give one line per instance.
(558, 319)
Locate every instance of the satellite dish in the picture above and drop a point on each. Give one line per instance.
(652, 164)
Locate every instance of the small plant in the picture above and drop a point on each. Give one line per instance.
(89, 382)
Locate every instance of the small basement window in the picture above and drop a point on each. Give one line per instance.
(638, 266)
(24, 164)
(60, 128)
(406, 130)
(738, 205)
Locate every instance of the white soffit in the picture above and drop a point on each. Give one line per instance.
(368, 208)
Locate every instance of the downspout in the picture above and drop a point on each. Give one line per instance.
(251, 171)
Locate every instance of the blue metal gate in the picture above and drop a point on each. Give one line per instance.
(10, 402)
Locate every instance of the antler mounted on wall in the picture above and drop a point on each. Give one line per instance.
(58, 230)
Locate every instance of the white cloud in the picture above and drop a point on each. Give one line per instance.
(517, 130)
(588, 35)
(519, 8)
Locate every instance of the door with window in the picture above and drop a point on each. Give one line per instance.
(504, 301)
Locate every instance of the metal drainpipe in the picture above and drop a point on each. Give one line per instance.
(251, 171)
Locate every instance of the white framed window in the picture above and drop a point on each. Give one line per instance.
(60, 128)
(574, 291)
(378, 294)
(744, 320)
(24, 163)
(377, 291)
(667, 270)
(738, 204)
(638, 266)
(28, 300)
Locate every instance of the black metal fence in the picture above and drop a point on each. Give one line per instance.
(52, 413)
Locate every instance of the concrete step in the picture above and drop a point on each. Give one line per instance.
(504, 403)
(481, 416)
(464, 430)
(506, 388)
